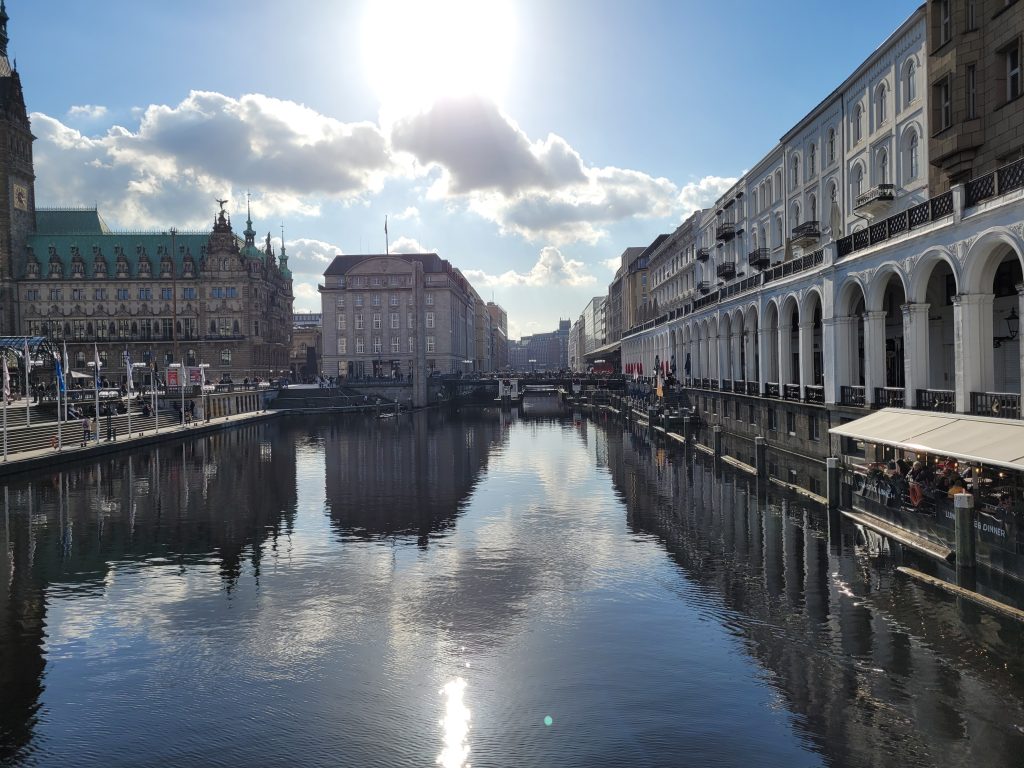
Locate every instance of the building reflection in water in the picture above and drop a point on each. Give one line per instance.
(381, 483)
(68, 530)
(871, 665)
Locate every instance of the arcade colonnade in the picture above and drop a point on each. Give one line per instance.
(921, 325)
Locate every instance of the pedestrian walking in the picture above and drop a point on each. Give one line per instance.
(85, 431)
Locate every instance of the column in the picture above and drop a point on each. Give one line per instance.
(764, 359)
(806, 341)
(785, 355)
(1020, 311)
(831, 328)
(722, 347)
(750, 340)
(972, 339)
(874, 354)
(916, 365)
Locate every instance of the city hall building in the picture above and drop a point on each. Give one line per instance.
(163, 296)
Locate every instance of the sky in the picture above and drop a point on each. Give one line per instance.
(528, 142)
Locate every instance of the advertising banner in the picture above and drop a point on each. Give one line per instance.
(172, 377)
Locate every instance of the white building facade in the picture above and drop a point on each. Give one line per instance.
(828, 274)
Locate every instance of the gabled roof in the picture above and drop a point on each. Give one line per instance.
(70, 221)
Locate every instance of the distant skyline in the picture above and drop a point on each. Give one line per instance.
(529, 143)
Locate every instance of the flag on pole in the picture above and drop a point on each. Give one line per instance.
(63, 361)
(7, 382)
(96, 364)
(387, 245)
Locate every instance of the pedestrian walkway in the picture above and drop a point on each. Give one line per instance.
(169, 428)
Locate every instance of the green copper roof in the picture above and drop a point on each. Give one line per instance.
(69, 221)
(132, 244)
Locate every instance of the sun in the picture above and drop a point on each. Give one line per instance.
(417, 51)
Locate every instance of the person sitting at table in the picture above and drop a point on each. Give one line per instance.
(956, 485)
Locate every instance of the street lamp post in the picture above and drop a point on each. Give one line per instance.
(206, 390)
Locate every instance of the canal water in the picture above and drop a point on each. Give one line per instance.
(470, 589)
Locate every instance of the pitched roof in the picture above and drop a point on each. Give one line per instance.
(342, 264)
(70, 221)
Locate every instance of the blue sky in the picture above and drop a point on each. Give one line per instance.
(528, 142)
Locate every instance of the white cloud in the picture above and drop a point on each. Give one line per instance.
(613, 263)
(308, 255)
(87, 111)
(178, 158)
(535, 189)
(412, 212)
(701, 194)
(552, 268)
(409, 245)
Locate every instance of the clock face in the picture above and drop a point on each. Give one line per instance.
(20, 197)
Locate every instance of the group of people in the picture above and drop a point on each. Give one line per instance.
(920, 483)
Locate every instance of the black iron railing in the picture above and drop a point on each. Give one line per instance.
(890, 397)
(936, 208)
(738, 386)
(703, 254)
(790, 391)
(726, 269)
(815, 393)
(851, 396)
(809, 230)
(726, 230)
(759, 258)
(1003, 405)
(942, 400)
(880, 192)
(753, 388)
(792, 267)
(772, 389)
(727, 385)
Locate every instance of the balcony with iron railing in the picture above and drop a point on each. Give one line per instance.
(759, 258)
(725, 231)
(889, 397)
(703, 254)
(941, 400)
(876, 199)
(726, 269)
(815, 393)
(852, 396)
(806, 234)
(931, 210)
(790, 391)
(702, 286)
(1001, 405)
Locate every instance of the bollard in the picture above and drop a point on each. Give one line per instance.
(717, 440)
(966, 551)
(761, 457)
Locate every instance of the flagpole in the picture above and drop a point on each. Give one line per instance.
(387, 245)
(7, 394)
(96, 385)
(128, 365)
(28, 367)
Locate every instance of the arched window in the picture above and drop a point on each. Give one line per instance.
(812, 208)
(755, 201)
(778, 231)
(910, 156)
(796, 172)
(225, 357)
(831, 145)
(910, 82)
(795, 214)
(858, 181)
(812, 157)
(880, 103)
(883, 167)
(777, 191)
(858, 114)
(80, 360)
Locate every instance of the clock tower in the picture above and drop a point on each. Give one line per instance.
(17, 182)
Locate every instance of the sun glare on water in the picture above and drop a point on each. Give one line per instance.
(419, 51)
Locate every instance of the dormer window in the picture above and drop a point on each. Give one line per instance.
(145, 268)
(99, 267)
(77, 268)
(189, 267)
(165, 267)
(56, 267)
(122, 266)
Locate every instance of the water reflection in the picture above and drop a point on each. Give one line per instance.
(346, 591)
(455, 726)
(876, 669)
(406, 476)
(69, 531)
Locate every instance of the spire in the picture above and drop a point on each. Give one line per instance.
(250, 233)
(284, 255)
(5, 65)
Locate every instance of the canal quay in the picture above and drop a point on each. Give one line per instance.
(473, 586)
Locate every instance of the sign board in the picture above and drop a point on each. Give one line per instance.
(172, 377)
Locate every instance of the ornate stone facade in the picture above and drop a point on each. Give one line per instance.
(162, 296)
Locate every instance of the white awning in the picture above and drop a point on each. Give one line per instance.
(977, 439)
